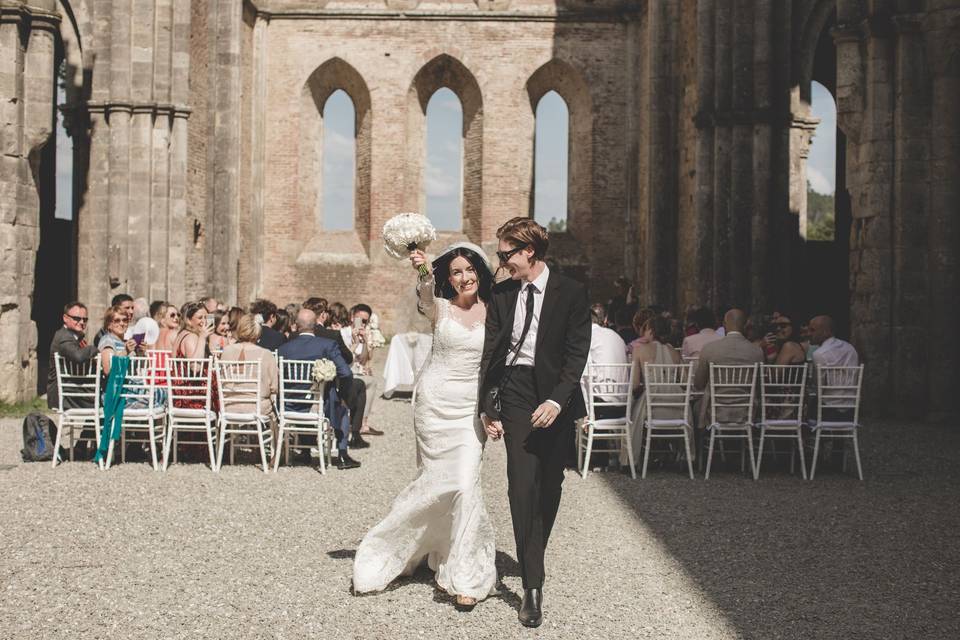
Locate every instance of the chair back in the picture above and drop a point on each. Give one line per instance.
(782, 390)
(78, 383)
(732, 392)
(838, 392)
(608, 385)
(667, 391)
(159, 359)
(298, 394)
(188, 382)
(140, 383)
(238, 385)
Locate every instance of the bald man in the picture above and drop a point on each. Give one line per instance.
(732, 349)
(831, 351)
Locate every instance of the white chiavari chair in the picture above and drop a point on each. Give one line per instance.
(239, 386)
(608, 392)
(667, 415)
(782, 395)
(189, 405)
(838, 410)
(144, 412)
(78, 404)
(300, 410)
(732, 394)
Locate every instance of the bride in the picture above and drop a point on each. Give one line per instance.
(440, 517)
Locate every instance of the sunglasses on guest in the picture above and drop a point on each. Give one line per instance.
(78, 318)
(504, 256)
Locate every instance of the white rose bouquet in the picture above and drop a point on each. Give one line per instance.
(324, 371)
(405, 232)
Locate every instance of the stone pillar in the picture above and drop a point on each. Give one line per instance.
(223, 162)
(943, 46)
(723, 140)
(27, 40)
(704, 205)
(741, 154)
(760, 265)
(660, 250)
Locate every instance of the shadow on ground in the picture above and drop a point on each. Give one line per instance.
(828, 558)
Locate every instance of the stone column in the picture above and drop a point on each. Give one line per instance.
(943, 47)
(223, 166)
(704, 205)
(661, 234)
(723, 139)
(741, 155)
(760, 266)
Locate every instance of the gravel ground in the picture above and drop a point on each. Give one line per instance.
(191, 554)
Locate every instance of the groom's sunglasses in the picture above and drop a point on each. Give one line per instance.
(504, 256)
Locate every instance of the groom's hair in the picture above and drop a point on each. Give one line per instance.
(525, 231)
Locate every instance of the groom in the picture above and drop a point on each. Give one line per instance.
(535, 349)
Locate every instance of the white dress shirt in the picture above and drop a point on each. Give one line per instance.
(528, 348)
(835, 352)
(606, 346)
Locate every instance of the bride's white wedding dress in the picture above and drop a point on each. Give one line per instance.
(440, 516)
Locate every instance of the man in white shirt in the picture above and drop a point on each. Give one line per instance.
(702, 318)
(831, 351)
(606, 346)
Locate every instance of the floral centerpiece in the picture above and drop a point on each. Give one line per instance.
(406, 232)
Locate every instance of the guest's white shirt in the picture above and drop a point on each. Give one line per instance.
(606, 346)
(529, 346)
(835, 352)
(693, 344)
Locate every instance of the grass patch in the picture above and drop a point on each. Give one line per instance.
(21, 409)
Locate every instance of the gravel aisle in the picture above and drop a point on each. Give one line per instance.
(190, 554)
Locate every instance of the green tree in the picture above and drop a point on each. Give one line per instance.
(556, 226)
(821, 214)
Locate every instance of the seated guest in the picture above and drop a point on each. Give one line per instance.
(245, 349)
(358, 333)
(606, 347)
(157, 310)
(320, 307)
(270, 338)
(233, 317)
(337, 316)
(639, 321)
(191, 342)
(169, 328)
(283, 323)
(123, 301)
(210, 304)
(702, 320)
(623, 324)
(732, 349)
(307, 346)
(112, 342)
(831, 351)
(655, 350)
(220, 337)
(355, 396)
(780, 344)
(70, 342)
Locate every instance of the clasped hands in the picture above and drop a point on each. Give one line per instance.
(541, 418)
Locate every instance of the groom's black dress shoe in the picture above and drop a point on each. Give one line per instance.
(346, 462)
(531, 609)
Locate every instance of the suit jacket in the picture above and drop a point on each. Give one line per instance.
(333, 334)
(308, 347)
(732, 349)
(270, 338)
(67, 344)
(563, 343)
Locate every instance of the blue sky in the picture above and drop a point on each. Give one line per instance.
(550, 172)
(822, 161)
(443, 175)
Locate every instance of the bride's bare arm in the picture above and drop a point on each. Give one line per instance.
(425, 286)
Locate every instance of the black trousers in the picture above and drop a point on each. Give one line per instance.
(535, 461)
(355, 397)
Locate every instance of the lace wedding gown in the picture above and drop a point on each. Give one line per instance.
(440, 516)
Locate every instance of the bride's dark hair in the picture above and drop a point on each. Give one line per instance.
(441, 274)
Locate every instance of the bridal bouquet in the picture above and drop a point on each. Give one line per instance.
(375, 338)
(405, 232)
(324, 371)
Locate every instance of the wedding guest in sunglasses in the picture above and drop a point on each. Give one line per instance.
(71, 343)
(169, 328)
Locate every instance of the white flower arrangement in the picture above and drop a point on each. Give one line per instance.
(324, 371)
(375, 338)
(405, 232)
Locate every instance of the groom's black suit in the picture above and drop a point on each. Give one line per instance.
(535, 457)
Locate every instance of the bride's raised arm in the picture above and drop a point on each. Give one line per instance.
(425, 286)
